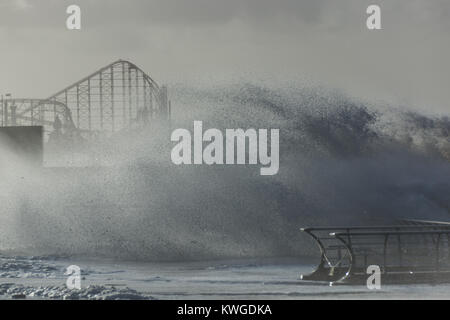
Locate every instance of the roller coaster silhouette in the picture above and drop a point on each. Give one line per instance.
(117, 97)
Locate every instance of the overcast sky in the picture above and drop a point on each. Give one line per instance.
(324, 41)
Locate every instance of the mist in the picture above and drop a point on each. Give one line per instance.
(342, 161)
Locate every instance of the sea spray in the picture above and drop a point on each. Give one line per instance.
(343, 162)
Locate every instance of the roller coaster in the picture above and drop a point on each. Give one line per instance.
(116, 97)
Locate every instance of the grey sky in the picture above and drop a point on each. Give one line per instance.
(324, 41)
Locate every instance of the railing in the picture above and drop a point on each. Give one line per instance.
(413, 248)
